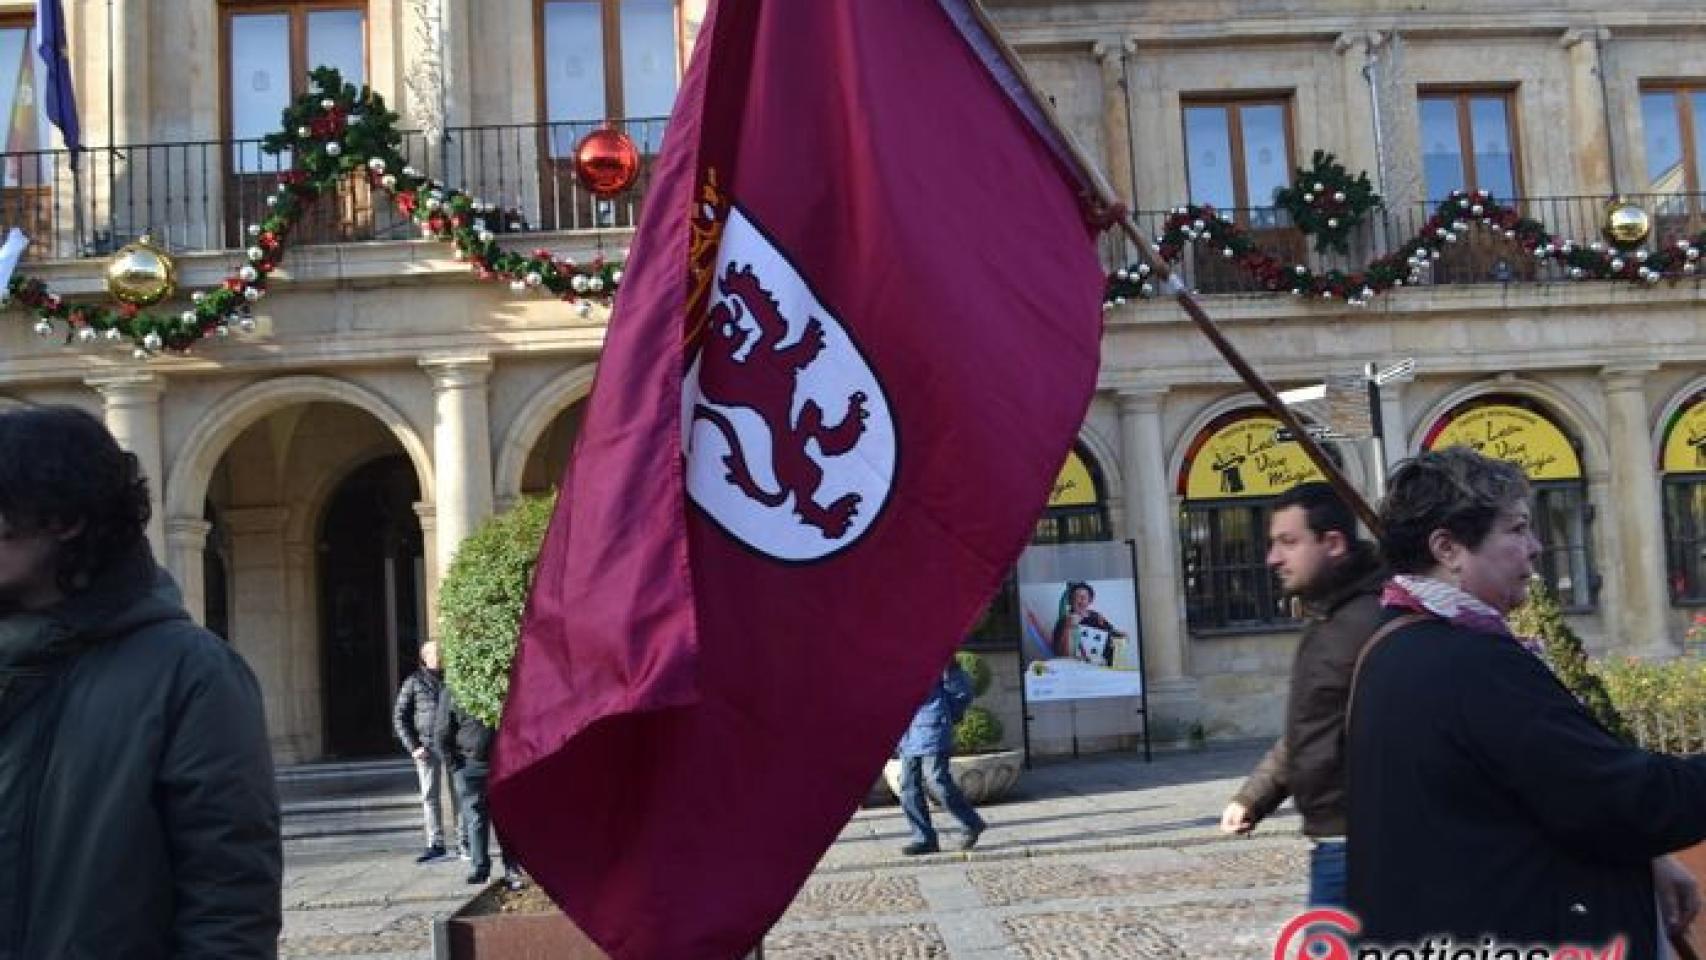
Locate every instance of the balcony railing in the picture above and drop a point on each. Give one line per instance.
(1480, 256)
(203, 194)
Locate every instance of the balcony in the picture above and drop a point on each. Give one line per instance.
(202, 195)
(1482, 256)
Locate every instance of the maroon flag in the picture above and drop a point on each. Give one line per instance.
(858, 335)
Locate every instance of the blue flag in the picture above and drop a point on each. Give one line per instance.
(61, 98)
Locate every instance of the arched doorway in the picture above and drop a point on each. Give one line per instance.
(372, 591)
(549, 458)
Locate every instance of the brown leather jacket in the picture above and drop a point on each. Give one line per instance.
(1307, 763)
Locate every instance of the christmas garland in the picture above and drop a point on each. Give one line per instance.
(333, 131)
(1450, 221)
(1331, 205)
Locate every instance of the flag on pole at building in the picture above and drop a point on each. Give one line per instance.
(858, 335)
(60, 98)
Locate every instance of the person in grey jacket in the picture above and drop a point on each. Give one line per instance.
(412, 716)
(138, 813)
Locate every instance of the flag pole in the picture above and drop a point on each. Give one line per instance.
(1109, 203)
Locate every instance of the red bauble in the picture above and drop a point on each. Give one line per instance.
(607, 162)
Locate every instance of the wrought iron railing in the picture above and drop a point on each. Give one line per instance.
(1479, 256)
(202, 194)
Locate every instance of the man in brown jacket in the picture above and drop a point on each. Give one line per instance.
(1314, 549)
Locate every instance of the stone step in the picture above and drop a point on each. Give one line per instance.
(312, 781)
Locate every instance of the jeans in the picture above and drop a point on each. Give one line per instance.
(476, 816)
(915, 774)
(1327, 874)
(427, 772)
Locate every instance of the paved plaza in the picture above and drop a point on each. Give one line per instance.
(1095, 858)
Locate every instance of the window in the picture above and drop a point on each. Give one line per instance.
(28, 169)
(1235, 470)
(1227, 581)
(1562, 520)
(1468, 143)
(1683, 462)
(270, 48)
(1673, 125)
(1237, 153)
(607, 59)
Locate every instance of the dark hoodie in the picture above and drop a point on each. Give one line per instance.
(138, 813)
(1308, 761)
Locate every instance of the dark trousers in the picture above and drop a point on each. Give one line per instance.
(915, 773)
(476, 816)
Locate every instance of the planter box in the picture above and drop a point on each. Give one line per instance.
(983, 778)
(1694, 858)
(472, 933)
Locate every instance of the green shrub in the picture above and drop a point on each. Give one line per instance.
(979, 731)
(1664, 703)
(481, 601)
(1541, 617)
(976, 668)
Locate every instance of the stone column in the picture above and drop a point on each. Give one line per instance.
(1587, 105)
(130, 59)
(461, 449)
(260, 615)
(133, 415)
(429, 558)
(303, 737)
(1171, 695)
(186, 541)
(1639, 621)
(1116, 122)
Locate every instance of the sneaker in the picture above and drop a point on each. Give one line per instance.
(918, 847)
(970, 837)
(432, 853)
(462, 855)
(514, 882)
(480, 876)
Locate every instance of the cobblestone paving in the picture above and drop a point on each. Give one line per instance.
(867, 896)
(402, 933)
(918, 941)
(1226, 930)
(1283, 863)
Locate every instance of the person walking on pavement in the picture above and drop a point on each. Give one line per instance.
(138, 811)
(1314, 549)
(924, 754)
(413, 716)
(466, 746)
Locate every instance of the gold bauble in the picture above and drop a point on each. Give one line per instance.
(141, 273)
(1626, 224)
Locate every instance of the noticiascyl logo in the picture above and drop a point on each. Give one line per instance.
(1317, 935)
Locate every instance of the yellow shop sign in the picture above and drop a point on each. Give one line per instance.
(1685, 444)
(1242, 459)
(1073, 488)
(1517, 434)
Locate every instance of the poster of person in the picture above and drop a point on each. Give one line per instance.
(1079, 633)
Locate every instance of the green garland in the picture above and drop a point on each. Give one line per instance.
(334, 130)
(1327, 203)
(1452, 219)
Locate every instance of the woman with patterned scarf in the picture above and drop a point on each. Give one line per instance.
(1485, 801)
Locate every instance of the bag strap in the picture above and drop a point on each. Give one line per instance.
(1386, 630)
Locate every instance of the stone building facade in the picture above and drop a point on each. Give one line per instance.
(312, 479)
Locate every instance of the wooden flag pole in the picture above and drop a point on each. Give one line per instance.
(1107, 202)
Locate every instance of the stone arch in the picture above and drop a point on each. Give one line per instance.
(530, 423)
(192, 470)
(1107, 461)
(1572, 416)
(1349, 454)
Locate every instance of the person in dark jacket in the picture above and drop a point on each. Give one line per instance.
(1315, 550)
(924, 751)
(466, 745)
(1485, 801)
(413, 716)
(138, 813)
